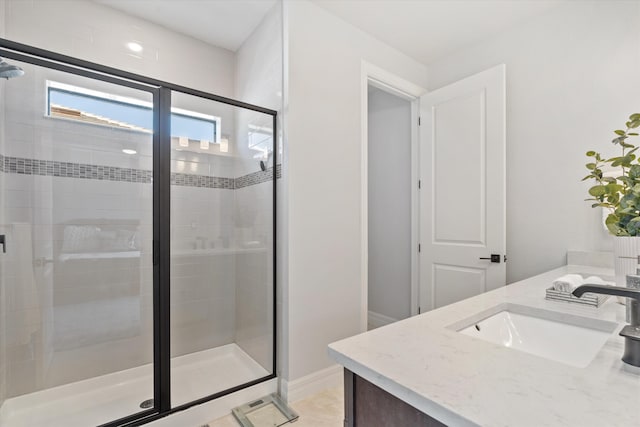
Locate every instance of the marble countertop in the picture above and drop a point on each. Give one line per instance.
(464, 381)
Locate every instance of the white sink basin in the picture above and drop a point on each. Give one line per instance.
(573, 340)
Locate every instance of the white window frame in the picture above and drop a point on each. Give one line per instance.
(125, 100)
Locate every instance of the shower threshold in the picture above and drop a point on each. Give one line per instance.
(102, 399)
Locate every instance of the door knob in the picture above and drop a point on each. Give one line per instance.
(493, 258)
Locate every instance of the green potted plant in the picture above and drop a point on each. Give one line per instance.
(617, 189)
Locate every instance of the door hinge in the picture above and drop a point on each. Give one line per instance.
(419, 121)
(419, 184)
(419, 247)
(419, 311)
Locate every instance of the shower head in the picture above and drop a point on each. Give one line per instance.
(9, 71)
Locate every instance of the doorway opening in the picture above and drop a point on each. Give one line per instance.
(389, 197)
(389, 207)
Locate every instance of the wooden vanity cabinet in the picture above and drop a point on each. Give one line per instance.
(367, 405)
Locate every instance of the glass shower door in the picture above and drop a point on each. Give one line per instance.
(222, 285)
(78, 213)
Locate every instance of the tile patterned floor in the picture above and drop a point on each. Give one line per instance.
(324, 409)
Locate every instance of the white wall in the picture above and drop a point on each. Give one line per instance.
(93, 32)
(389, 211)
(323, 141)
(571, 80)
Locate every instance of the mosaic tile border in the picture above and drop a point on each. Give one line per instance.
(204, 181)
(24, 166)
(258, 177)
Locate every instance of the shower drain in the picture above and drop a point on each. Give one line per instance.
(147, 404)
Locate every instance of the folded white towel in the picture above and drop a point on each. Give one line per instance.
(568, 282)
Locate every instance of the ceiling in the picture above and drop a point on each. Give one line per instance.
(425, 30)
(225, 24)
(428, 30)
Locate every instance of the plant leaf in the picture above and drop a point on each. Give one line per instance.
(614, 229)
(597, 190)
(613, 188)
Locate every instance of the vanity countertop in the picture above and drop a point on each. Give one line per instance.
(464, 381)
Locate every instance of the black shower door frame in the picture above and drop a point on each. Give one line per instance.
(161, 93)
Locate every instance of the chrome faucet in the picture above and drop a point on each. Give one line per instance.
(631, 332)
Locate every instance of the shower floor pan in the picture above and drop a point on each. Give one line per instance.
(99, 400)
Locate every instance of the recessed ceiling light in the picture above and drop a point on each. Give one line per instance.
(128, 151)
(134, 47)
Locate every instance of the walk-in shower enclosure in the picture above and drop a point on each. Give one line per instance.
(138, 218)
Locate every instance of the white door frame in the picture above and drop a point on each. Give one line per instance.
(382, 79)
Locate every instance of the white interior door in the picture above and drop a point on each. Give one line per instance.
(462, 196)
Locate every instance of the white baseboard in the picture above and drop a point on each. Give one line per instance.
(301, 388)
(376, 320)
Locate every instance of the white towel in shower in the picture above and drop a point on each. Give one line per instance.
(568, 282)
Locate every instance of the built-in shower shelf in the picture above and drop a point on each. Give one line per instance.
(221, 251)
(99, 255)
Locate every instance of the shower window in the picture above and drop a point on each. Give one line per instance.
(70, 102)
